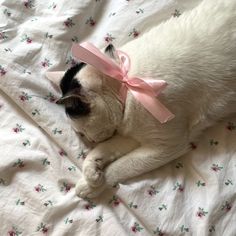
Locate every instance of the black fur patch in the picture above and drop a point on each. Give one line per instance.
(74, 104)
(68, 82)
(110, 50)
(78, 108)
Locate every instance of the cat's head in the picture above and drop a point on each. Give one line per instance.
(91, 100)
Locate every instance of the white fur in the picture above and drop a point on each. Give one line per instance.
(196, 55)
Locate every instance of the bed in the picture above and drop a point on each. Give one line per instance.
(41, 155)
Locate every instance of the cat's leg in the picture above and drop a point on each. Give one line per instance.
(84, 190)
(137, 162)
(102, 155)
(140, 161)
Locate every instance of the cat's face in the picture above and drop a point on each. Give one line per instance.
(90, 100)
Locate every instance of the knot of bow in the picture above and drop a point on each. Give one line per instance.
(144, 90)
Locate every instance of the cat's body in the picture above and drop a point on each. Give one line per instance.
(196, 55)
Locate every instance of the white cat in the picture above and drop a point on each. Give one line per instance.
(196, 55)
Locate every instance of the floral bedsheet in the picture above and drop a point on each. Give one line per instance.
(41, 155)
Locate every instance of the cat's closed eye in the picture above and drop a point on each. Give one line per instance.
(75, 107)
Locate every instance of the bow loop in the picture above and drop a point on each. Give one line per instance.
(144, 90)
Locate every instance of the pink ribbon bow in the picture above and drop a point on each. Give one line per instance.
(145, 91)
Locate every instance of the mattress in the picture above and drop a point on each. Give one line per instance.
(41, 155)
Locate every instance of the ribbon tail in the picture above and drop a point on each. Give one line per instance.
(154, 106)
(151, 86)
(157, 85)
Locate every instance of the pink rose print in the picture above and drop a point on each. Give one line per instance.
(19, 163)
(11, 233)
(51, 98)
(29, 3)
(115, 201)
(158, 232)
(152, 191)
(82, 155)
(178, 187)
(68, 23)
(18, 128)
(65, 187)
(40, 188)
(216, 167)
(42, 228)
(231, 126)
(136, 227)
(26, 38)
(71, 61)
(134, 33)
(89, 205)
(201, 212)
(3, 35)
(14, 231)
(62, 153)
(2, 71)
(109, 38)
(24, 97)
(226, 206)
(90, 22)
(46, 63)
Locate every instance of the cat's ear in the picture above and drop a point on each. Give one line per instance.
(111, 52)
(55, 77)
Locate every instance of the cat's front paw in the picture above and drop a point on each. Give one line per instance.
(84, 190)
(93, 173)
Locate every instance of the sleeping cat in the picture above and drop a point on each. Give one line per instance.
(196, 55)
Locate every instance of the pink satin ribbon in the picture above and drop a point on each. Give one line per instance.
(144, 90)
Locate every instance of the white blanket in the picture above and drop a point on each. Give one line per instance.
(41, 155)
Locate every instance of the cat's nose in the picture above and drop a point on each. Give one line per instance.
(59, 101)
(81, 134)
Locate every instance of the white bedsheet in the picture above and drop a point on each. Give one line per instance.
(41, 155)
